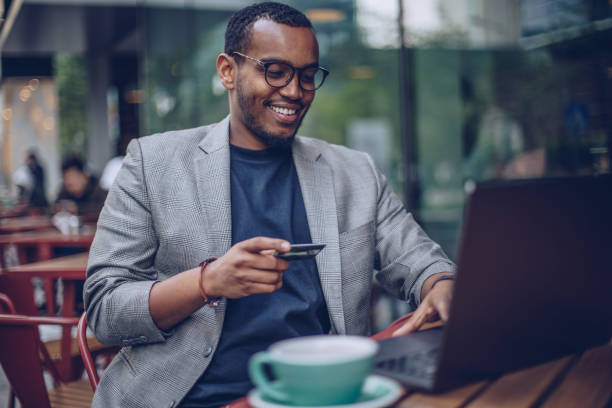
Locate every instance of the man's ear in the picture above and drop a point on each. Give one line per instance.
(226, 70)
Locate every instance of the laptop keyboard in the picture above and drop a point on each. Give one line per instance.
(416, 364)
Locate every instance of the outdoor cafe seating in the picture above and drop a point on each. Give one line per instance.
(20, 350)
(33, 344)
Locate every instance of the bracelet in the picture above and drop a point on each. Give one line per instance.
(441, 278)
(210, 301)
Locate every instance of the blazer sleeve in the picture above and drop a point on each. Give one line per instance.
(406, 256)
(121, 268)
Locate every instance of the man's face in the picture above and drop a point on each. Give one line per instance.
(75, 181)
(270, 116)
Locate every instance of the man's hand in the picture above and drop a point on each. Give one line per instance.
(249, 267)
(435, 305)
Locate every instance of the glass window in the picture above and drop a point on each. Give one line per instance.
(506, 90)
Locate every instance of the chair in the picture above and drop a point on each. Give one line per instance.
(7, 306)
(88, 362)
(388, 332)
(87, 345)
(399, 322)
(20, 355)
(64, 348)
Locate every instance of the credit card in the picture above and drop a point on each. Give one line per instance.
(300, 252)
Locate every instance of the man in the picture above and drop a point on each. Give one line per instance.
(38, 196)
(80, 193)
(239, 190)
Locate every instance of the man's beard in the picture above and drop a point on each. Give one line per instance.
(270, 139)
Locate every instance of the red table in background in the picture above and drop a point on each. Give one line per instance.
(20, 224)
(71, 269)
(44, 241)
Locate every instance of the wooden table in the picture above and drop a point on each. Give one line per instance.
(20, 224)
(45, 241)
(583, 380)
(70, 269)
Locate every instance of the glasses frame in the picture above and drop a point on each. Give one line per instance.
(266, 64)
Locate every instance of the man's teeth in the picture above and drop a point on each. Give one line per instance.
(283, 111)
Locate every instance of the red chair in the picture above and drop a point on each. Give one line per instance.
(89, 344)
(7, 306)
(88, 361)
(396, 324)
(20, 355)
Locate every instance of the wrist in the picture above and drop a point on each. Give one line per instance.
(208, 295)
(446, 277)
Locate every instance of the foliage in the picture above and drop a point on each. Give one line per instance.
(71, 80)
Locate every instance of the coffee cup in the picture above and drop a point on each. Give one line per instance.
(314, 370)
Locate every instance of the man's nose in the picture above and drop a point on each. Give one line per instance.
(292, 90)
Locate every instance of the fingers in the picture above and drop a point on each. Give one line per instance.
(257, 288)
(435, 305)
(266, 262)
(259, 244)
(424, 313)
(249, 267)
(442, 306)
(257, 253)
(254, 282)
(442, 298)
(245, 263)
(265, 277)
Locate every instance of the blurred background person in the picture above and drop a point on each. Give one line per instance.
(110, 172)
(29, 179)
(80, 193)
(113, 165)
(38, 193)
(23, 182)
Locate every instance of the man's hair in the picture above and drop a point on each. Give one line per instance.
(239, 27)
(73, 162)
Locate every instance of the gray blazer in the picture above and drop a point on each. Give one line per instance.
(170, 208)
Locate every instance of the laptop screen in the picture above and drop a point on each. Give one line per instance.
(534, 274)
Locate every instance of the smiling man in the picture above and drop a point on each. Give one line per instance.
(182, 271)
(268, 113)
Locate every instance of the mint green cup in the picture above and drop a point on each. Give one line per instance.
(314, 370)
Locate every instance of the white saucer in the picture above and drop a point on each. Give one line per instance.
(377, 392)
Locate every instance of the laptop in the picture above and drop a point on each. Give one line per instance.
(534, 279)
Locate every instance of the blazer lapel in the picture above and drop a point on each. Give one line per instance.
(316, 183)
(212, 172)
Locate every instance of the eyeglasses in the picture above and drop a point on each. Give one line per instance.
(278, 74)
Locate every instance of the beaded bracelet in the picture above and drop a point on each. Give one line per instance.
(210, 301)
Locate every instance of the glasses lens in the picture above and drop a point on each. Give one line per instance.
(312, 78)
(278, 74)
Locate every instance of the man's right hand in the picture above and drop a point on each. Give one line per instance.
(248, 268)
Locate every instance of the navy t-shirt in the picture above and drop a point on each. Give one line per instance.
(266, 201)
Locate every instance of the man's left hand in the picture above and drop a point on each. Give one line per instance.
(434, 306)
